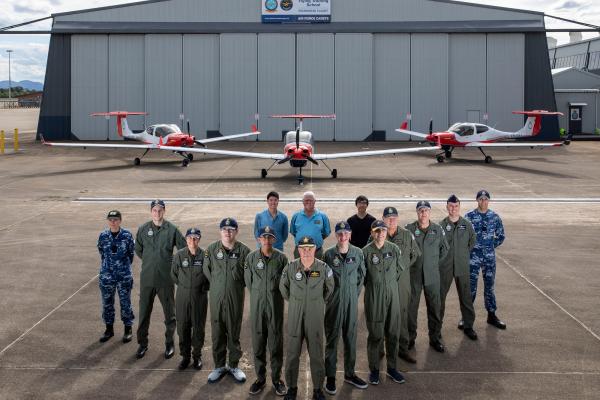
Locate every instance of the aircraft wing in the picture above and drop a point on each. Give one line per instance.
(369, 153)
(514, 144)
(227, 137)
(233, 153)
(412, 133)
(102, 145)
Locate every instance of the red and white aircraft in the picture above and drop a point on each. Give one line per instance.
(467, 134)
(152, 137)
(299, 149)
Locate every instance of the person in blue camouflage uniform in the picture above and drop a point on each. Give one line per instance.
(490, 234)
(116, 247)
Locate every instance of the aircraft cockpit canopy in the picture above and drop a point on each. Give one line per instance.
(163, 130)
(305, 137)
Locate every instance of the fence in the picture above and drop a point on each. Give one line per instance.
(20, 103)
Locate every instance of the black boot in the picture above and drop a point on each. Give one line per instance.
(493, 320)
(108, 333)
(127, 335)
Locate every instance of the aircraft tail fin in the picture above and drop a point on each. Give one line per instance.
(533, 124)
(122, 126)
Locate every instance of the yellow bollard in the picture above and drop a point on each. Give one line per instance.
(16, 141)
(1, 142)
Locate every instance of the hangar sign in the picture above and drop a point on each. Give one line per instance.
(296, 11)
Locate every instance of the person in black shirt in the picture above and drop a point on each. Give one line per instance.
(361, 223)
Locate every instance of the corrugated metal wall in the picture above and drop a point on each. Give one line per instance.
(505, 79)
(391, 83)
(429, 77)
(239, 80)
(89, 86)
(219, 82)
(315, 81)
(126, 80)
(276, 83)
(201, 83)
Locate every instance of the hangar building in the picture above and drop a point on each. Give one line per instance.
(219, 65)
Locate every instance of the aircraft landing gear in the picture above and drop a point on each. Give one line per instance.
(488, 159)
(190, 157)
(138, 160)
(263, 173)
(185, 162)
(440, 158)
(334, 173)
(448, 153)
(300, 177)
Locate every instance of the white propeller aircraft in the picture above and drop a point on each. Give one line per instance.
(299, 149)
(468, 134)
(152, 137)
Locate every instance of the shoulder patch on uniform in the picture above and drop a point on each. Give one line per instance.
(329, 272)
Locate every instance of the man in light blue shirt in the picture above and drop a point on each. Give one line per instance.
(274, 218)
(310, 222)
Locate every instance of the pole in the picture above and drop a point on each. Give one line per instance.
(16, 140)
(9, 78)
(1, 142)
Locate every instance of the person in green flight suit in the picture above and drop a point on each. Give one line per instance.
(191, 299)
(154, 245)
(224, 268)
(262, 271)
(425, 275)
(307, 284)
(383, 263)
(341, 312)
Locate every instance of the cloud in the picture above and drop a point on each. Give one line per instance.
(567, 5)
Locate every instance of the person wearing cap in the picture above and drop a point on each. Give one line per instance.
(310, 222)
(224, 268)
(425, 275)
(262, 271)
(383, 263)
(341, 312)
(360, 223)
(307, 284)
(409, 251)
(490, 234)
(116, 248)
(191, 299)
(455, 266)
(154, 244)
(274, 219)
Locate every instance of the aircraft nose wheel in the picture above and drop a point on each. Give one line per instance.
(190, 157)
(440, 158)
(488, 159)
(263, 173)
(185, 162)
(334, 173)
(448, 154)
(137, 161)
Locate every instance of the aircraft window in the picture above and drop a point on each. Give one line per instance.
(149, 130)
(164, 130)
(482, 128)
(462, 130)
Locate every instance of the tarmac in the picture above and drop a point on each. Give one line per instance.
(55, 202)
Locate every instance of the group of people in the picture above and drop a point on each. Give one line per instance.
(393, 264)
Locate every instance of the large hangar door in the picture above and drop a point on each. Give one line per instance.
(163, 78)
(506, 79)
(276, 83)
(429, 77)
(467, 85)
(201, 83)
(391, 83)
(353, 86)
(238, 83)
(89, 86)
(315, 81)
(126, 80)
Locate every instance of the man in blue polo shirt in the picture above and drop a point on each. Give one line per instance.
(310, 222)
(274, 219)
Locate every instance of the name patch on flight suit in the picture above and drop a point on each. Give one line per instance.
(387, 255)
(350, 260)
(315, 274)
(318, 222)
(197, 263)
(234, 256)
(462, 227)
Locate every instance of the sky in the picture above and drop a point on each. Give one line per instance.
(28, 60)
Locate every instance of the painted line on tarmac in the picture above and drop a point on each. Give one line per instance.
(408, 200)
(307, 370)
(584, 326)
(46, 316)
